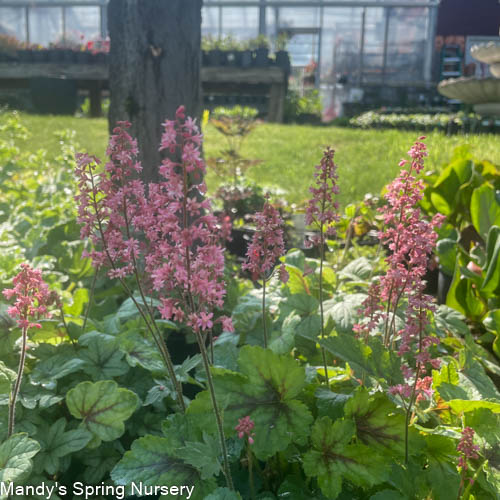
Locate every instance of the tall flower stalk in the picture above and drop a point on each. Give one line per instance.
(163, 235)
(322, 213)
(410, 239)
(32, 296)
(266, 248)
(108, 202)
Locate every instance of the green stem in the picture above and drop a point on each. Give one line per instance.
(321, 257)
(218, 417)
(264, 310)
(17, 385)
(250, 472)
(92, 291)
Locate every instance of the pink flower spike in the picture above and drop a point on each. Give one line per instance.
(245, 427)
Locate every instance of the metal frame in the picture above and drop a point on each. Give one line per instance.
(262, 5)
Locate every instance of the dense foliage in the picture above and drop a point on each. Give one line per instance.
(98, 403)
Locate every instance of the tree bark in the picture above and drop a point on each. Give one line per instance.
(154, 68)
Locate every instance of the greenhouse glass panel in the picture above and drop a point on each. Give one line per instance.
(210, 21)
(45, 24)
(13, 23)
(406, 42)
(373, 53)
(341, 44)
(82, 24)
(299, 17)
(240, 22)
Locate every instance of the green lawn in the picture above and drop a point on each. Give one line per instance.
(367, 159)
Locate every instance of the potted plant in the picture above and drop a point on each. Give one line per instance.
(261, 44)
(8, 48)
(211, 46)
(246, 54)
(281, 54)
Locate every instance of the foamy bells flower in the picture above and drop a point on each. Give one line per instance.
(32, 297)
(245, 427)
(468, 450)
(267, 244)
(109, 201)
(322, 209)
(411, 240)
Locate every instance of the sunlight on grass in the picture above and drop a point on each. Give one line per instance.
(367, 159)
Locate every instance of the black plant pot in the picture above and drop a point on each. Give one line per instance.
(68, 56)
(241, 238)
(83, 57)
(233, 57)
(54, 55)
(101, 58)
(54, 95)
(40, 56)
(25, 56)
(246, 58)
(283, 60)
(443, 286)
(261, 57)
(216, 58)
(204, 58)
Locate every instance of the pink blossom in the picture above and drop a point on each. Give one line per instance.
(322, 210)
(163, 231)
(245, 427)
(267, 244)
(32, 296)
(467, 448)
(411, 240)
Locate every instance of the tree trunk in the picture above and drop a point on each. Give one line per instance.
(154, 68)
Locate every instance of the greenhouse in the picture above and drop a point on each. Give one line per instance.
(364, 42)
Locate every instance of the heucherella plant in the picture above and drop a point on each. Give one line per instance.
(322, 214)
(32, 298)
(266, 248)
(410, 239)
(468, 451)
(163, 235)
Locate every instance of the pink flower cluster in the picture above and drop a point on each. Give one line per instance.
(32, 297)
(467, 448)
(411, 240)
(245, 427)
(167, 230)
(267, 245)
(322, 210)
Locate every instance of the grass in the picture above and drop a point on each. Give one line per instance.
(367, 159)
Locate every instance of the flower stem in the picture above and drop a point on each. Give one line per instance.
(321, 257)
(264, 310)
(17, 385)
(218, 417)
(250, 472)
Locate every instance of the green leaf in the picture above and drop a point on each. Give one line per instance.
(302, 303)
(444, 191)
(152, 461)
(461, 406)
(388, 495)
(450, 320)
(7, 378)
(446, 250)
(54, 368)
(333, 459)
(330, 404)
(57, 443)
(203, 456)
(103, 407)
(379, 425)
(265, 390)
(344, 313)
(284, 341)
(484, 209)
(365, 358)
(223, 494)
(103, 359)
(357, 270)
(80, 298)
(140, 351)
(15, 458)
(492, 279)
